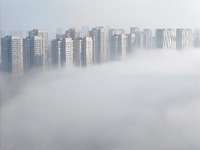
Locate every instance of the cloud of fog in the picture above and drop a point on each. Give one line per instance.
(150, 101)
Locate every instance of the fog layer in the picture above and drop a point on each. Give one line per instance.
(150, 101)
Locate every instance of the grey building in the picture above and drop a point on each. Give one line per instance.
(118, 46)
(196, 42)
(78, 52)
(137, 32)
(39, 47)
(184, 38)
(99, 37)
(12, 55)
(165, 38)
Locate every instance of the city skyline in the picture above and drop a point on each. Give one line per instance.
(97, 46)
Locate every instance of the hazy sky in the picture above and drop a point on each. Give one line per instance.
(51, 14)
(151, 101)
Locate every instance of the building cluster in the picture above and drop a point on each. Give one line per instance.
(75, 48)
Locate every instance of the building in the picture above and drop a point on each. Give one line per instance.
(85, 30)
(57, 53)
(184, 38)
(68, 46)
(99, 38)
(39, 47)
(196, 42)
(122, 45)
(12, 55)
(28, 59)
(147, 39)
(113, 38)
(166, 38)
(130, 43)
(118, 46)
(87, 51)
(136, 31)
(73, 33)
(78, 52)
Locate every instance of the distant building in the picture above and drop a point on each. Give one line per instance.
(166, 38)
(122, 45)
(62, 52)
(196, 42)
(12, 55)
(68, 46)
(130, 43)
(73, 33)
(2, 33)
(85, 30)
(137, 32)
(39, 47)
(147, 39)
(114, 46)
(78, 52)
(99, 38)
(57, 54)
(184, 38)
(87, 51)
(28, 54)
(59, 31)
(118, 46)
(113, 39)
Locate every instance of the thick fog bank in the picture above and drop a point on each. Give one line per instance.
(150, 101)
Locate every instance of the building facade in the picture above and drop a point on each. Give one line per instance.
(166, 38)
(12, 55)
(184, 38)
(87, 51)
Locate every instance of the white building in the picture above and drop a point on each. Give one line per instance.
(87, 51)
(68, 44)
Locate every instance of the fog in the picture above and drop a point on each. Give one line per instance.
(149, 101)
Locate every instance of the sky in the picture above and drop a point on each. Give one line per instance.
(53, 14)
(148, 101)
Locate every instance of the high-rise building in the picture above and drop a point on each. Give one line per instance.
(73, 33)
(184, 38)
(118, 46)
(28, 59)
(113, 40)
(147, 39)
(78, 52)
(166, 38)
(39, 47)
(123, 45)
(12, 55)
(196, 42)
(87, 51)
(136, 31)
(114, 46)
(99, 37)
(68, 46)
(130, 43)
(85, 30)
(57, 53)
